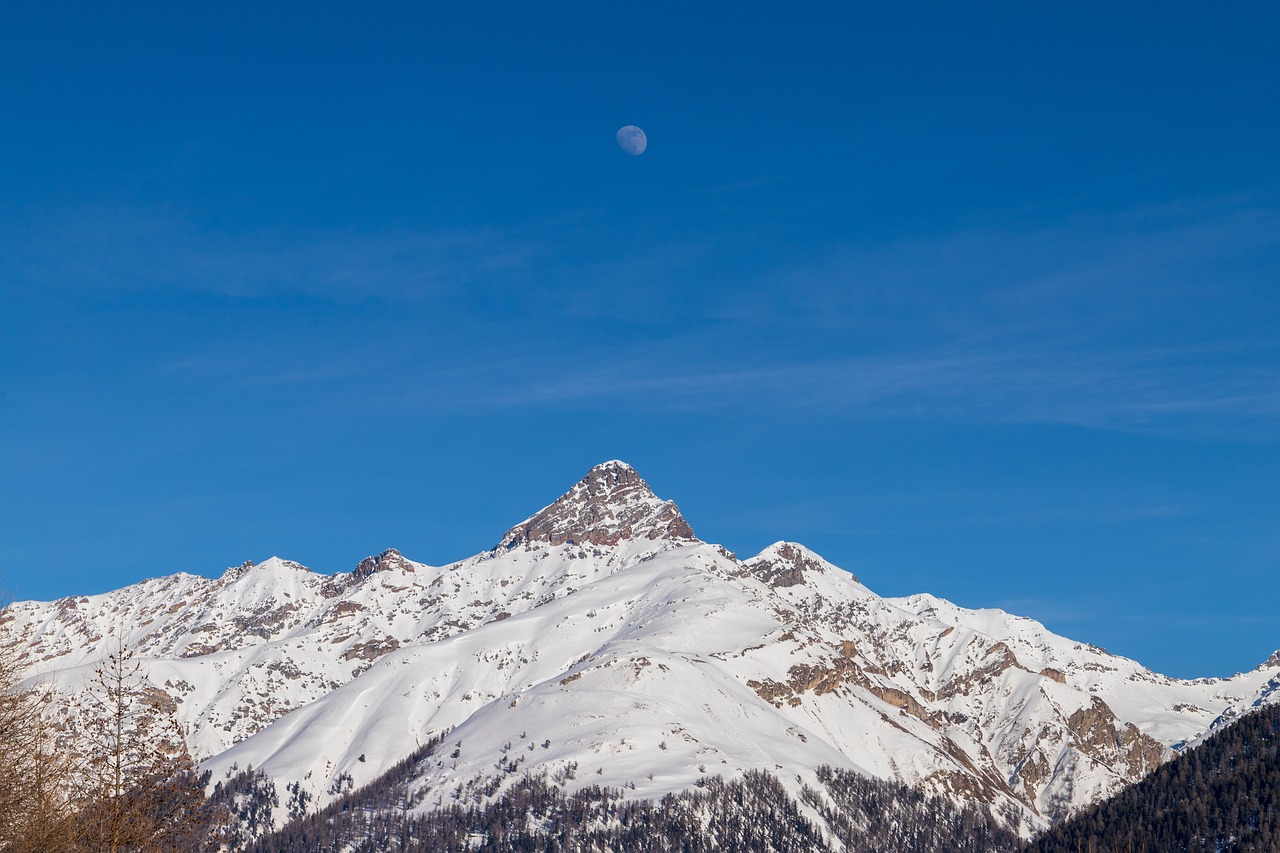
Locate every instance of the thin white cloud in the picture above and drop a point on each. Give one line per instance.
(1144, 391)
(96, 250)
(1013, 325)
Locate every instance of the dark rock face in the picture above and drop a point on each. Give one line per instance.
(236, 572)
(371, 650)
(1055, 674)
(609, 505)
(1099, 734)
(386, 561)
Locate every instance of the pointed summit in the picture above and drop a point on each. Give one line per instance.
(609, 505)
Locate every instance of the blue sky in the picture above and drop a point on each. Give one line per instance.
(975, 302)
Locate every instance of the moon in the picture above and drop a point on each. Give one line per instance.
(632, 140)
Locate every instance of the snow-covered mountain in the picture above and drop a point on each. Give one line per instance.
(601, 642)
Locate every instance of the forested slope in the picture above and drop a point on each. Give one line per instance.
(754, 813)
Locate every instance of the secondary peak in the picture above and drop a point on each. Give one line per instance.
(388, 560)
(786, 563)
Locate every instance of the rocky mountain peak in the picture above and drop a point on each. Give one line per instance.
(275, 563)
(612, 503)
(785, 564)
(267, 566)
(388, 560)
(235, 572)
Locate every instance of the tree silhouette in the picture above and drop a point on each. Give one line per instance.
(34, 768)
(138, 789)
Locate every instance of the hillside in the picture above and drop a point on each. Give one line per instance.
(755, 813)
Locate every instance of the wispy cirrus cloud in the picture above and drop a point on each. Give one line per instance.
(97, 250)
(1196, 267)
(1152, 391)
(1154, 320)
(1213, 392)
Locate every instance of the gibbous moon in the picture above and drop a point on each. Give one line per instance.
(632, 140)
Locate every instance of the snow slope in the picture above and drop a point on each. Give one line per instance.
(602, 643)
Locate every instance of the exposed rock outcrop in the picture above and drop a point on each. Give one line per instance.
(388, 560)
(609, 505)
(785, 564)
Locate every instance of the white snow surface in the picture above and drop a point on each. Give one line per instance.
(645, 663)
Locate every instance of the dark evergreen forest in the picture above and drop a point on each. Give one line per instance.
(1220, 796)
(754, 813)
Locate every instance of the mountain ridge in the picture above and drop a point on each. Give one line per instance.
(625, 648)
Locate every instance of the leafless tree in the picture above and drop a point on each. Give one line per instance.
(138, 789)
(34, 765)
